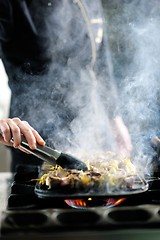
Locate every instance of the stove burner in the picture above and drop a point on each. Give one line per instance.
(94, 202)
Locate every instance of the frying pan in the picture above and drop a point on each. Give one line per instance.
(140, 185)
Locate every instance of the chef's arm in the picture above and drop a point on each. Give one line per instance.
(110, 93)
(122, 136)
(119, 127)
(15, 128)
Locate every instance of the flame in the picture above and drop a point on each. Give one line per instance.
(119, 201)
(93, 202)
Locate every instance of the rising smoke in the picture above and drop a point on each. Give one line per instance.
(74, 100)
(86, 86)
(133, 28)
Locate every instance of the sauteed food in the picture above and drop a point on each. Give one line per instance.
(113, 173)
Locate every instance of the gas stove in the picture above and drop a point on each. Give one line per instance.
(27, 215)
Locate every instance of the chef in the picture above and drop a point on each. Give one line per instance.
(54, 53)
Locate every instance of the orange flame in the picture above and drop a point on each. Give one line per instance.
(93, 202)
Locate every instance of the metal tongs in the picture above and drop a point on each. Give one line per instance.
(53, 156)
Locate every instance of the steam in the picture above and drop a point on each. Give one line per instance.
(91, 128)
(85, 93)
(135, 37)
(75, 96)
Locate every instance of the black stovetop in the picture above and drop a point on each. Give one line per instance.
(27, 213)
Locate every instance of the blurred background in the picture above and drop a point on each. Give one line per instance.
(5, 95)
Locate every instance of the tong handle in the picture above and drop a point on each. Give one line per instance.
(54, 157)
(40, 152)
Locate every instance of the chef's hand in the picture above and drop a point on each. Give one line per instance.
(14, 128)
(123, 140)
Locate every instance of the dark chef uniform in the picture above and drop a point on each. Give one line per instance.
(48, 49)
